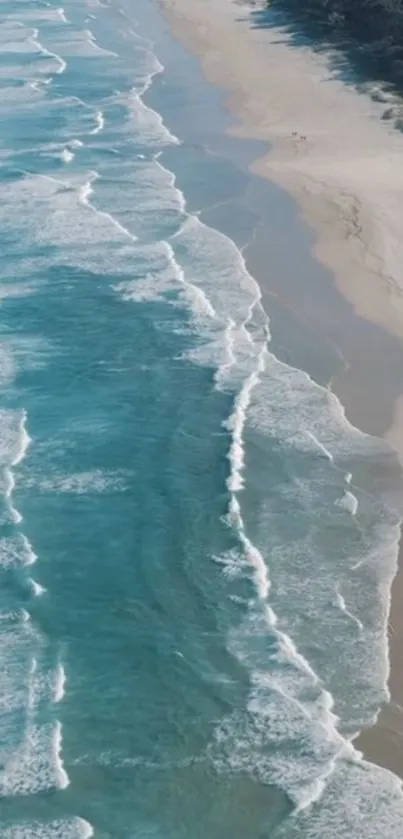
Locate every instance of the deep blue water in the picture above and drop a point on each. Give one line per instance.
(196, 547)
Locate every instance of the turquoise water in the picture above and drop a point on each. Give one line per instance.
(196, 547)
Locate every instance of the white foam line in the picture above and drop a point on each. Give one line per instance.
(149, 45)
(320, 446)
(253, 555)
(25, 440)
(30, 554)
(322, 715)
(57, 181)
(224, 369)
(86, 829)
(159, 68)
(349, 502)
(33, 39)
(45, 177)
(62, 776)
(62, 15)
(137, 95)
(341, 603)
(290, 651)
(39, 84)
(235, 424)
(84, 195)
(237, 420)
(67, 156)
(37, 589)
(202, 302)
(31, 689)
(236, 455)
(172, 183)
(85, 192)
(59, 683)
(316, 788)
(256, 300)
(97, 116)
(100, 122)
(10, 484)
(93, 42)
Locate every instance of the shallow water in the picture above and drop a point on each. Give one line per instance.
(196, 547)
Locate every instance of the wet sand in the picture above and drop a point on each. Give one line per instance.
(383, 744)
(331, 150)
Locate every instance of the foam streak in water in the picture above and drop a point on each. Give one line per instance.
(29, 554)
(341, 603)
(93, 43)
(201, 303)
(72, 828)
(9, 487)
(320, 446)
(59, 683)
(23, 442)
(67, 156)
(37, 589)
(37, 44)
(84, 198)
(62, 15)
(99, 123)
(62, 776)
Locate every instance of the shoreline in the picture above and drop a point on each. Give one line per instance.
(383, 742)
(349, 197)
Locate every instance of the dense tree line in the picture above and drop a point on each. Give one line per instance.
(375, 27)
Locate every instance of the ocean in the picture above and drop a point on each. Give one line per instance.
(196, 546)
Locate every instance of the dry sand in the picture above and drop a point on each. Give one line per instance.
(331, 149)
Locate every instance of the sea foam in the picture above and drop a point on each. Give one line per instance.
(74, 828)
(289, 732)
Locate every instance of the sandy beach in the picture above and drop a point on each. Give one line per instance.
(333, 152)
